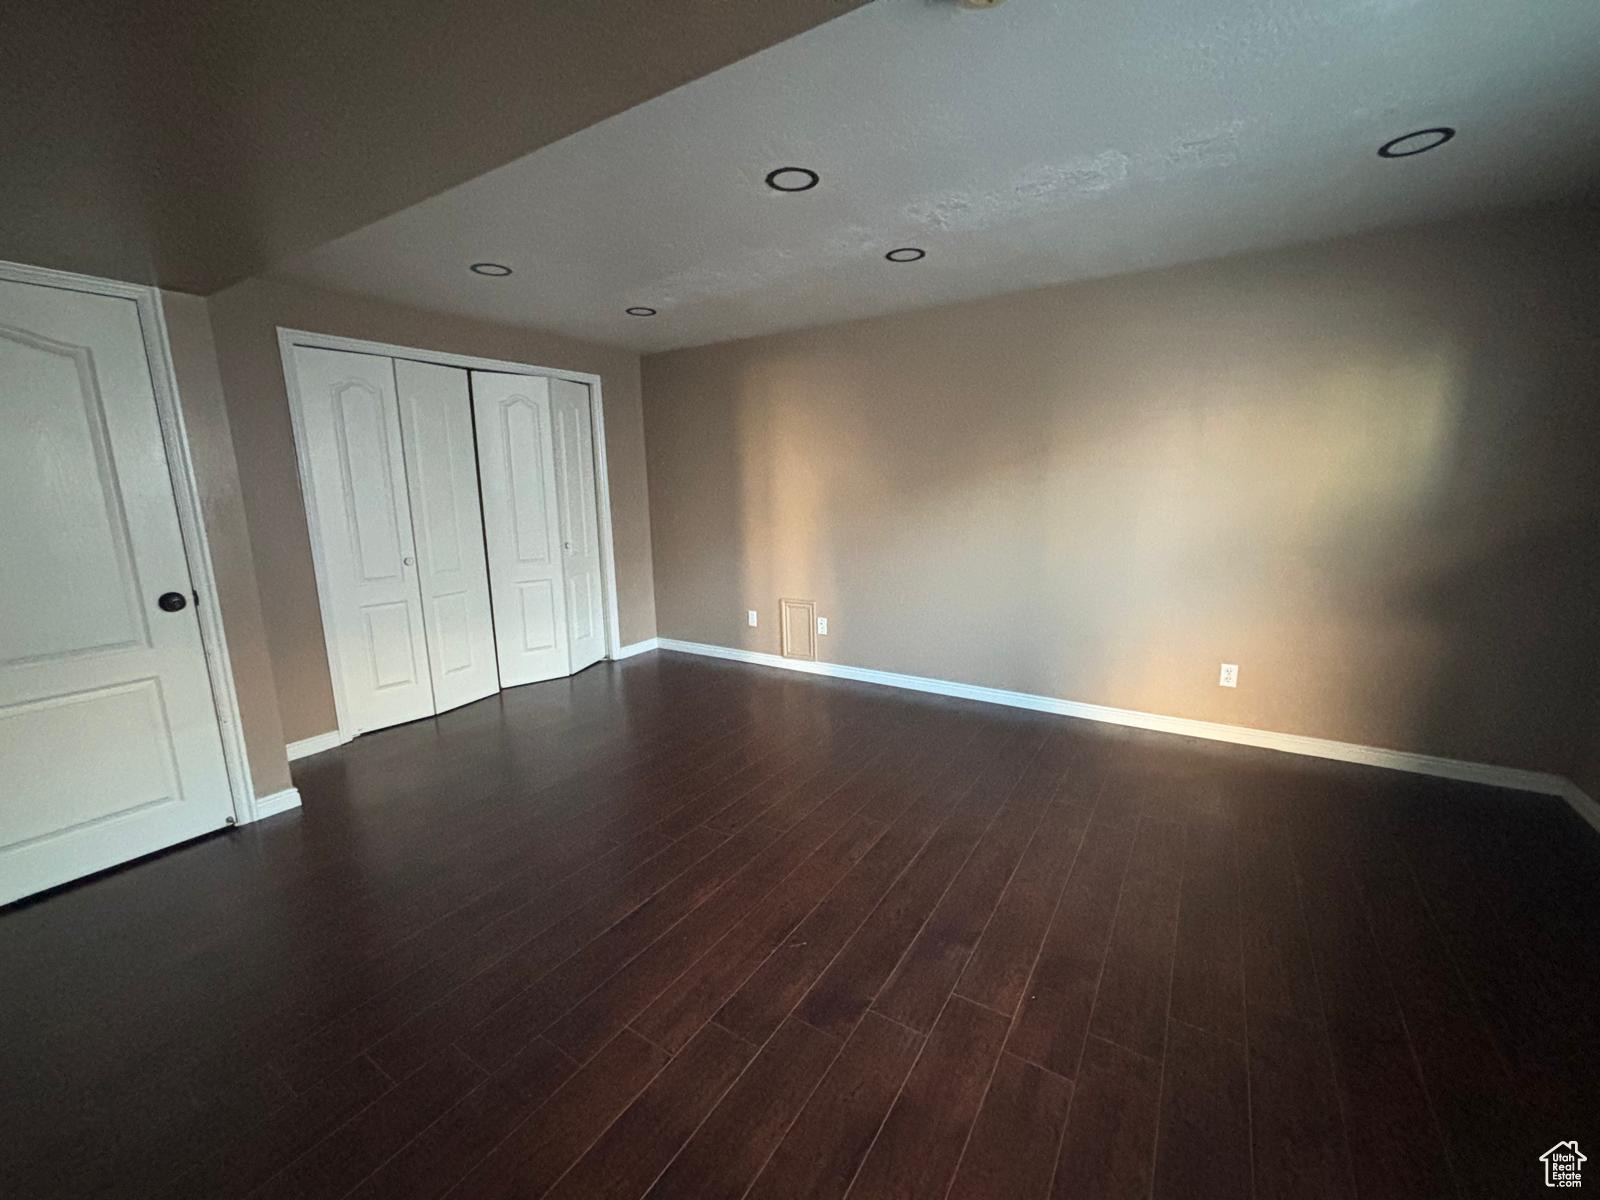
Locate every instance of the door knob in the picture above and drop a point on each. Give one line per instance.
(408, 560)
(173, 602)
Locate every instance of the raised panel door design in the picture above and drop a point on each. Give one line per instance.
(389, 649)
(528, 477)
(537, 601)
(580, 526)
(54, 458)
(359, 505)
(581, 608)
(432, 442)
(520, 523)
(367, 476)
(450, 635)
(109, 742)
(452, 570)
(137, 772)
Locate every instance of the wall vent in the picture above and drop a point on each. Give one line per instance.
(799, 621)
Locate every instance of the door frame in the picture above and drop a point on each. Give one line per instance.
(186, 498)
(289, 338)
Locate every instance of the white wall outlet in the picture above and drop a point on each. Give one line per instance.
(1230, 675)
(822, 626)
(752, 618)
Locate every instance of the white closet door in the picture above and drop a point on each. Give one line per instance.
(362, 519)
(109, 744)
(580, 523)
(442, 478)
(515, 469)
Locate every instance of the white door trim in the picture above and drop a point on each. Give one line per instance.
(186, 495)
(288, 339)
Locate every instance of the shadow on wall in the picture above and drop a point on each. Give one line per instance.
(1362, 470)
(1514, 591)
(1586, 768)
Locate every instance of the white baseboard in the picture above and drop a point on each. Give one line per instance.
(331, 740)
(637, 648)
(1582, 803)
(276, 802)
(1242, 735)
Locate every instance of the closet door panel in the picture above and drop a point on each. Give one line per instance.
(361, 514)
(521, 527)
(442, 480)
(580, 522)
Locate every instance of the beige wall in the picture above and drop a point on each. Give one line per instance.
(245, 318)
(1365, 471)
(205, 416)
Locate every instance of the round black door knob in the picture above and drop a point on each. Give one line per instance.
(173, 602)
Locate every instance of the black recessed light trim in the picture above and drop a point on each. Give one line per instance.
(779, 179)
(640, 310)
(1428, 139)
(493, 270)
(905, 254)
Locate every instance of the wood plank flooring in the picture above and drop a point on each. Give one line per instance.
(684, 928)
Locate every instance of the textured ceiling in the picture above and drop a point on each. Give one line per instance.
(1035, 143)
(191, 142)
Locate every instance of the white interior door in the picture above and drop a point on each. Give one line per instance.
(447, 522)
(515, 469)
(580, 523)
(361, 517)
(109, 744)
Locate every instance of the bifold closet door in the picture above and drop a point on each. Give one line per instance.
(580, 524)
(361, 517)
(521, 528)
(447, 525)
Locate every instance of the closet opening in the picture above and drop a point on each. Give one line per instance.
(459, 519)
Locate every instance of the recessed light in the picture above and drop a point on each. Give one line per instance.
(792, 179)
(497, 270)
(906, 254)
(1419, 142)
(639, 310)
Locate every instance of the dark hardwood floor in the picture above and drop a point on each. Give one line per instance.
(683, 928)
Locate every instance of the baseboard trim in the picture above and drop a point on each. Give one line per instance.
(1242, 735)
(1582, 803)
(274, 803)
(331, 740)
(637, 648)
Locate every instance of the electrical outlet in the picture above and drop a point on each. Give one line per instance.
(1230, 675)
(751, 617)
(822, 626)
